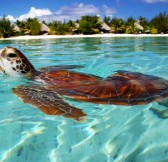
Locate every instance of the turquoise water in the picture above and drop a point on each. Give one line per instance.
(111, 133)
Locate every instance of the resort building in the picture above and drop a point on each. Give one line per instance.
(45, 29)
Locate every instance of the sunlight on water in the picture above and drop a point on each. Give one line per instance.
(110, 133)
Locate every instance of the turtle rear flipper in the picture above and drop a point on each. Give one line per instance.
(47, 101)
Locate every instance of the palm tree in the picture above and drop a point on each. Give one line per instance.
(6, 28)
(144, 23)
(107, 20)
(71, 26)
(160, 22)
(118, 25)
(90, 24)
(130, 26)
(23, 25)
(34, 26)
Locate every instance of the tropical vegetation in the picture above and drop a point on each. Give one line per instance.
(31, 26)
(89, 25)
(6, 28)
(86, 25)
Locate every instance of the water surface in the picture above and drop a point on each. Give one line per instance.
(111, 133)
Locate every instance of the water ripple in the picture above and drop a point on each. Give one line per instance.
(110, 133)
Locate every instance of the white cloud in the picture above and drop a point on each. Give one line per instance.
(109, 11)
(75, 11)
(72, 12)
(11, 18)
(155, 1)
(35, 13)
(80, 9)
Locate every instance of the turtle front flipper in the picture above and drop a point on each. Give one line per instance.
(47, 101)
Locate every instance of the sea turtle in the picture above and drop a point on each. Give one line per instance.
(121, 88)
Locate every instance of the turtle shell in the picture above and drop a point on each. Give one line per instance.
(121, 88)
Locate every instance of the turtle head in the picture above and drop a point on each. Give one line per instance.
(13, 62)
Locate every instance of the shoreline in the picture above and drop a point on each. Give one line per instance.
(28, 37)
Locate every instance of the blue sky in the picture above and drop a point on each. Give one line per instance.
(73, 9)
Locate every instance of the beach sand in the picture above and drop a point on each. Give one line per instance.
(82, 36)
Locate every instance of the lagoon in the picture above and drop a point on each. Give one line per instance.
(111, 133)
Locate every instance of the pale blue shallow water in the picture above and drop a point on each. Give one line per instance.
(111, 133)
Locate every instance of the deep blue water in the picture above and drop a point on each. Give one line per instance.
(111, 133)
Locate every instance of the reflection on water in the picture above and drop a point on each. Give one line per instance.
(111, 133)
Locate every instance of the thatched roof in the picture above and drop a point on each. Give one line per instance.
(105, 27)
(16, 28)
(147, 31)
(137, 25)
(44, 28)
(76, 25)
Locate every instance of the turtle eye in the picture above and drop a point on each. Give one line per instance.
(11, 55)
